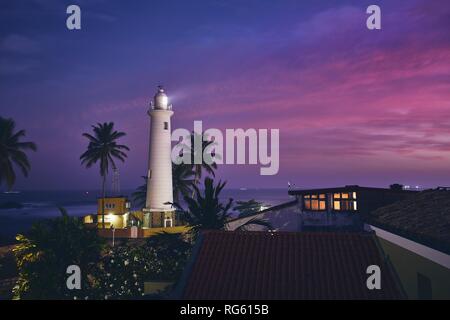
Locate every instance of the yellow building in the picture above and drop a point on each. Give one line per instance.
(118, 214)
(116, 211)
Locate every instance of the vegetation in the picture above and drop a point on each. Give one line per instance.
(169, 252)
(204, 166)
(182, 180)
(12, 152)
(103, 148)
(44, 254)
(122, 272)
(206, 212)
(140, 195)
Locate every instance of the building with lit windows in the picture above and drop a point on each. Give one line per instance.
(339, 208)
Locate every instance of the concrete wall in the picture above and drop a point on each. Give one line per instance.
(409, 265)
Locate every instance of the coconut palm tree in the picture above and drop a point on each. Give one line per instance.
(206, 212)
(182, 180)
(103, 148)
(199, 168)
(12, 152)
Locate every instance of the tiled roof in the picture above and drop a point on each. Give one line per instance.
(286, 265)
(424, 218)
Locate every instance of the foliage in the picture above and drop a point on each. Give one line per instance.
(169, 255)
(121, 274)
(140, 195)
(44, 254)
(103, 148)
(12, 152)
(206, 212)
(182, 180)
(206, 146)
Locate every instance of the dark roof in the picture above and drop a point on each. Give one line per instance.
(286, 265)
(348, 188)
(424, 218)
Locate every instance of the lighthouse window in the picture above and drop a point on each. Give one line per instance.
(166, 126)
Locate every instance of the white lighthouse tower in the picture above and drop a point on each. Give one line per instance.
(158, 213)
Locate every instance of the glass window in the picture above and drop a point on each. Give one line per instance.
(337, 205)
(315, 202)
(345, 201)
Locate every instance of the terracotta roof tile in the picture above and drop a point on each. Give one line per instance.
(285, 265)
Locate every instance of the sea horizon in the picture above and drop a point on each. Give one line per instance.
(38, 205)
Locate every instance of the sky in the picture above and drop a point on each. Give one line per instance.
(353, 106)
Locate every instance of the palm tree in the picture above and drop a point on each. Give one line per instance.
(103, 148)
(140, 195)
(198, 168)
(206, 212)
(12, 152)
(181, 182)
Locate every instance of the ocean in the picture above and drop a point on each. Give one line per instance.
(44, 204)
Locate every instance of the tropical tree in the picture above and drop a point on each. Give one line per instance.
(12, 152)
(121, 272)
(169, 255)
(204, 166)
(140, 195)
(205, 211)
(182, 181)
(247, 208)
(44, 254)
(103, 148)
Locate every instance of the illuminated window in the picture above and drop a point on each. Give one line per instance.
(337, 205)
(345, 201)
(315, 202)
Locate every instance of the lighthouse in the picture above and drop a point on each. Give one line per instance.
(158, 211)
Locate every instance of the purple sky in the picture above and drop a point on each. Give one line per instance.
(353, 106)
